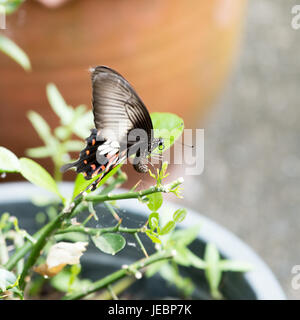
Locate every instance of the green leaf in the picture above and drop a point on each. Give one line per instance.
(16, 53)
(7, 279)
(169, 273)
(181, 256)
(155, 201)
(61, 132)
(153, 220)
(194, 260)
(8, 161)
(179, 215)
(110, 243)
(58, 104)
(167, 126)
(154, 268)
(185, 236)
(213, 272)
(61, 282)
(153, 237)
(37, 175)
(74, 145)
(167, 228)
(11, 5)
(81, 184)
(39, 152)
(86, 123)
(41, 127)
(235, 265)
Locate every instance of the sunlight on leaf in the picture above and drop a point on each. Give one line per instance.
(58, 104)
(8, 161)
(81, 184)
(37, 175)
(7, 279)
(155, 201)
(167, 126)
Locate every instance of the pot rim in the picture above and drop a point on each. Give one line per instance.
(261, 278)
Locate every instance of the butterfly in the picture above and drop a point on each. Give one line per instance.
(123, 128)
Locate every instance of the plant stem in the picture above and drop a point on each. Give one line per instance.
(141, 244)
(133, 195)
(104, 282)
(98, 231)
(38, 246)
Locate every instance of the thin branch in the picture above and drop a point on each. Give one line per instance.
(99, 231)
(137, 238)
(104, 282)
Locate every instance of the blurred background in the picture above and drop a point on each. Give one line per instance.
(223, 65)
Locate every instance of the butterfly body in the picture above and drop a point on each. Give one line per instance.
(123, 128)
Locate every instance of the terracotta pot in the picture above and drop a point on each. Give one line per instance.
(175, 53)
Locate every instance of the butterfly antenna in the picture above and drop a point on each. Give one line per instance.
(187, 145)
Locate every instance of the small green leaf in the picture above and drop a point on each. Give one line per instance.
(154, 268)
(81, 184)
(37, 175)
(170, 273)
(39, 152)
(155, 201)
(167, 126)
(167, 228)
(16, 53)
(7, 279)
(195, 261)
(8, 161)
(61, 282)
(181, 256)
(42, 128)
(185, 236)
(179, 215)
(74, 145)
(153, 220)
(153, 237)
(86, 123)
(110, 243)
(213, 272)
(58, 104)
(235, 265)
(61, 132)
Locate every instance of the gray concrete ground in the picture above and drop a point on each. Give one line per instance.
(252, 143)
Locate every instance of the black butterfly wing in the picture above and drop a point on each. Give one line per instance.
(116, 106)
